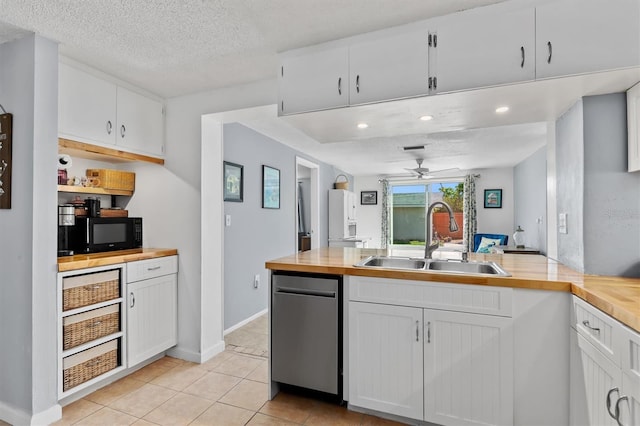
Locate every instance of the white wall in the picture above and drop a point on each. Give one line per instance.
(491, 220)
(369, 216)
(28, 235)
(530, 199)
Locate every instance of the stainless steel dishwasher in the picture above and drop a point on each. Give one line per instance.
(306, 331)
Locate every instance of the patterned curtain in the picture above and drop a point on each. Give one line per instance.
(470, 225)
(385, 231)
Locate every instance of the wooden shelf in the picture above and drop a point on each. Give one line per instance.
(92, 190)
(94, 152)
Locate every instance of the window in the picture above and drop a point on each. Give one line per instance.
(409, 206)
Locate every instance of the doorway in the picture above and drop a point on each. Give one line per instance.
(307, 204)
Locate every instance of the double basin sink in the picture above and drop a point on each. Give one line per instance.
(442, 266)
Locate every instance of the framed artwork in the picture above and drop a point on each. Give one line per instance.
(368, 197)
(270, 188)
(233, 178)
(6, 122)
(493, 198)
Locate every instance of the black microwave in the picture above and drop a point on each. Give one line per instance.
(96, 234)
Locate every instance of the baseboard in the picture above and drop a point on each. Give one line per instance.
(245, 322)
(16, 416)
(197, 357)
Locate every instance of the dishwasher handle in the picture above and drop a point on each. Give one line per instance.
(305, 292)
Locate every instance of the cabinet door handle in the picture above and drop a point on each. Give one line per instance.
(417, 331)
(617, 417)
(428, 331)
(358, 83)
(133, 300)
(339, 85)
(586, 324)
(430, 83)
(609, 402)
(550, 48)
(155, 268)
(123, 130)
(522, 54)
(109, 127)
(435, 83)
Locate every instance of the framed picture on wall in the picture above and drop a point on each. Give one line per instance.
(368, 198)
(233, 182)
(493, 198)
(270, 188)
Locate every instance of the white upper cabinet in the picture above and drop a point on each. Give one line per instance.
(582, 36)
(485, 50)
(140, 123)
(86, 107)
(314, 81)
(392, 67)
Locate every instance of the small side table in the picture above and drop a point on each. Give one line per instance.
(514, 249)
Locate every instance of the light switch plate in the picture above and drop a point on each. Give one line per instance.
(562, 223)
(227, 220)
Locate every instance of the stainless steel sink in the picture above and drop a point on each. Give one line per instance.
(442, 266)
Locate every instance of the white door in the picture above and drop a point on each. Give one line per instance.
(385, 358)
(314, 81)
(86, 107)
(151, 317)
(390, 68)
(601, 379)
(140, 123)
(581, 36)
(468, 368)
(480, 51)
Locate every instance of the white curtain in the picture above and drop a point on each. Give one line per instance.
(385, 231)
(470, 225)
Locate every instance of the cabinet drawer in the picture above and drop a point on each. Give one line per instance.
(87, 289)
(91, 325)
(151, 268)
(598, 328)
(86, 365)
(477, 299)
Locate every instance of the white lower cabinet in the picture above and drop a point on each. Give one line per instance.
(152, 296)
(468, 368)
(386, 359)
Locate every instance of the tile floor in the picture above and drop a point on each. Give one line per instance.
(230, 389)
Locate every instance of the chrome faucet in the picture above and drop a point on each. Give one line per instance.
(453, 227)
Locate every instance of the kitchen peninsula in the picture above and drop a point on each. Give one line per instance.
(468, 349)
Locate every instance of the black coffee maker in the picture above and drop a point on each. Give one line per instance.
(66, 224)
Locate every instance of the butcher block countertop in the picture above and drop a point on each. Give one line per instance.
(82, 261)
(618, 297)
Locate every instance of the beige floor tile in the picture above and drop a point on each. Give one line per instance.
(143, 422)
(217, 360)
(368, 420)
(180, 410)
(238, 365)
(140, 402)
(247, 394)
(261, 373)
(223, 415)
(264, 420)
(107, 416)
(289, 407)
(115, 390)
(212, 386)
(328, 414)
(151, 371)
(180, 377)
(76, 411)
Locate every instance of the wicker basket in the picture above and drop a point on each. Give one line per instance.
(113, 179)
(341, 185)
(88, 326)
(84, 290)
(86, 365)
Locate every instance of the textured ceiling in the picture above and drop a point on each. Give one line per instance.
(176, 47)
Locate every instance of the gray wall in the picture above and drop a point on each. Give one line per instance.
(570, 185)
(257, 235)
(530, 203)
(28, 232)
(601, 198)
(612, 195)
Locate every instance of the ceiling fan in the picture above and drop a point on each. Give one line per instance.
(424, 172)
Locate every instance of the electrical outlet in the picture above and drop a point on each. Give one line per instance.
(562, 223)
(227, 220)
(256, 281)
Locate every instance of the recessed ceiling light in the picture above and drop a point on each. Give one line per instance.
(362, 125)
(502, 109)
(426, 117)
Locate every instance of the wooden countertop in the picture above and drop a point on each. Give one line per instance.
(618, 297)
(81, 261)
